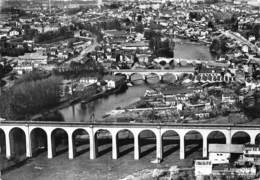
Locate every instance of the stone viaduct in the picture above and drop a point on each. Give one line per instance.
(113, 129)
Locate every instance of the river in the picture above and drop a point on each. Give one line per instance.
(183, 49)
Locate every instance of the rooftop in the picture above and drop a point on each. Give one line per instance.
(226, 148)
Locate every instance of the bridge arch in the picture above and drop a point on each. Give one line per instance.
(169, 78)
(216, 137)
(153, 78)
(80, 141)
(147, 142)
(125, 138)
(137, 78)
(170, 142)
(38, 137)
(17, 138)
(240, 137)
(103, 139)
(2, 142)
(59, 138)
(257, 139)
(193, 142)
(122, 75)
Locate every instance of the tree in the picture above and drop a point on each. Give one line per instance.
(215, 46)
(139, 18)
(211, 25)
(28, 98)
(139, 28)
(256, 31)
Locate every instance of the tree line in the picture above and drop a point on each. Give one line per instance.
(161, 47)
(54, 36)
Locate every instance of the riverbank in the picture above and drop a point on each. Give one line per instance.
(80, 99)
(182, 40)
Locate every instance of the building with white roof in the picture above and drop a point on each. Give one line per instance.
(220, 153)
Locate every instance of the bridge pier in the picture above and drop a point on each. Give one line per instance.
(7, 145)
(160, 77)
(50, 145)
(92, 145)
(28, 145)
(182, 147)
(252, 141)
(114, 146)
(128, 77)
(71, 146)
(136, 147)
(159, 149)
(144, 77)
(205, 146)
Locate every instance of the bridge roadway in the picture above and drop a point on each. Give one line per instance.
(92, 129)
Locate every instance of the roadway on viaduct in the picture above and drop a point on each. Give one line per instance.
(93, 129)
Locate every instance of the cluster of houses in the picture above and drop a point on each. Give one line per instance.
(75, 86)
(229, 160)
(194, 103)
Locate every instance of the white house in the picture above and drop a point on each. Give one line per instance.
(113, 81)
(14, 32)
(20, 69)
(33, 58)
(88, 81)
(228, 98)
(251, 150)
(203, 167)
(220, 153)
(111, 84)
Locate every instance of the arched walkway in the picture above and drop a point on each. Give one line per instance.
(18, 143)
(59, 141)
(125, 142)
(216, 137)
(2, 143)
(193, 141)
(147, 143)
(103, 142)
(38, 141)
(170, 143)
(240, 137)
(80, 139)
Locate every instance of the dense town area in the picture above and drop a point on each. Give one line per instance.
(67, 58)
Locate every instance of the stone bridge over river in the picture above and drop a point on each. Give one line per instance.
(92, 131)
(144, 74)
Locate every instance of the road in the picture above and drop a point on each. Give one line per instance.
(86, 49)
(241, 39)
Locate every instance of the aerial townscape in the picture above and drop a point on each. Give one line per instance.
(129, 89)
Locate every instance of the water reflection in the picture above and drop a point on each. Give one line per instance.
(98, 108)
